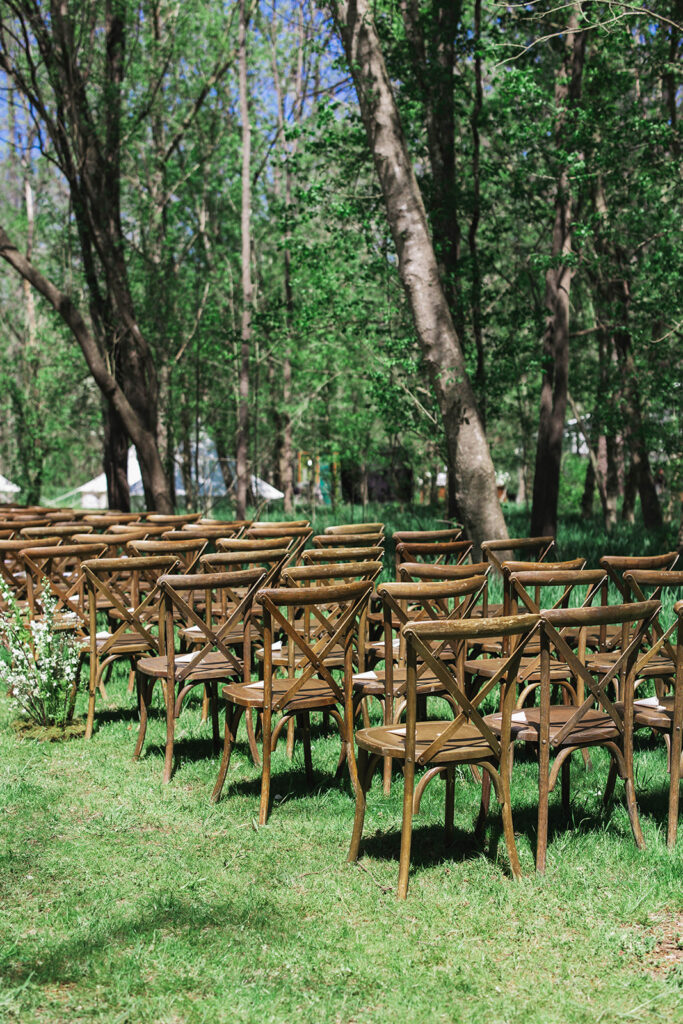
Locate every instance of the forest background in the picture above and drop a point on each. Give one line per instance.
(190, 190)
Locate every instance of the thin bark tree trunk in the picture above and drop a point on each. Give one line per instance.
(557, 289)
(465, 437)
(242, 444)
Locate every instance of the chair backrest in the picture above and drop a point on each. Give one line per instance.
(336, 611)
(343, 528)
(617, 565)
(443, 599)
(104, 520)
(62, 567)
(319, 556)
(226, 600)
(519, 583)
(55, 530)
(499, 550)
(348, 540)
(440, 552)
(427, 536)
(296, 535)
(188, 551)
(130, 589)
(170, 521)
(271, 559)
(639, 581)
(634, 619)
(427, 639)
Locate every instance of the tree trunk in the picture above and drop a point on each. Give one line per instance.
(557, 288)
(242, 446)
(115, 459)
(465, 438)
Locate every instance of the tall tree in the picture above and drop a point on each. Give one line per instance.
(466, 442)
(557, 292)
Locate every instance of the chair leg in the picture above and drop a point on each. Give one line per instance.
(304, 722)
(565, 787)
(483, 807)
(215, 725)
(364, 779)
(290, 739)
(543, 796)
(674, 787)
(506, 816)
(232, 717)
(264, 806)
(206, 704)
(144, 696)
(406, 828)
(450, 803)
(611, 780)
(170, 733)
(92, 691)
(251, 737)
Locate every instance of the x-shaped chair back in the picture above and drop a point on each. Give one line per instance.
(435, 600)
(425, 572)
(12, 568)
(61, 530)
(297, 536)
(187, 551)
(441, 552)
(634, 618)
(269, 559)
(130, 587)
(617, 565)
(336, 609)
(227, 600)
(638, 582)
(425, 642)
(535, 548)
(62, 567)
(172, 521)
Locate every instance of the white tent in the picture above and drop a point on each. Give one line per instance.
(8, 490)
(93, 493)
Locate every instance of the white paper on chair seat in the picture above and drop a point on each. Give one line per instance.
(254, 686)
(519, 717)
(399, 732)
(277, 646)
(366, 675)
(650, 702)
(102, 635)
(184, 659)
(194, 629)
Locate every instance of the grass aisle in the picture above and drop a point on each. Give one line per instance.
(126, 901)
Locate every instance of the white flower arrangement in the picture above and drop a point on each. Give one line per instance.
(39, 665)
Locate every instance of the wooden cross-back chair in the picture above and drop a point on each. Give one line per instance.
(526, 592)
(59, 529)
(324, 555)
(341, 528)
(616, 566)
(105, 520)
(443, 599)
(127, 588)
(662, 661)
(12, 568)
(596, 720)
(137, 530)
(442, 552)
(536, 549)
(441, 746)
(170, 521)
(297, 536)
(348, 540)
(187, 551)
(309, 684)
(62, 567)
(223, 624)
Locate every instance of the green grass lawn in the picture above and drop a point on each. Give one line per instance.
(124, 900)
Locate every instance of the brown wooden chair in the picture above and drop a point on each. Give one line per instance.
(127, 588)
(440, 746)
(309, 684)
(662, 661)
(348, 540)
(342, 528)
(227, 598)
(562, 729)
(296, 536)
(12, 568)
(61, 566)
(444, 599)
(536, 549)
